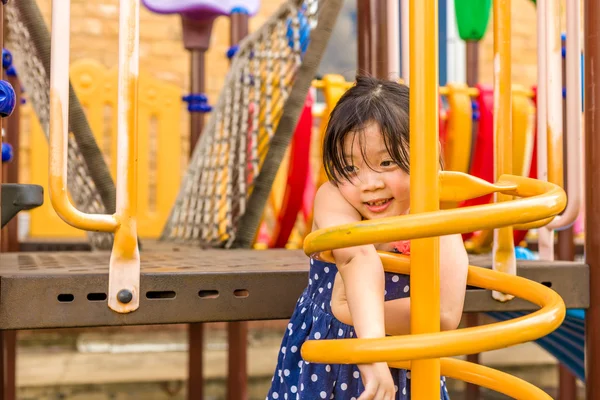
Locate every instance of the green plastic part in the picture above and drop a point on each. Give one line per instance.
(472, 18)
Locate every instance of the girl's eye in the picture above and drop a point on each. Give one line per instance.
(350, 169)
(387, 163)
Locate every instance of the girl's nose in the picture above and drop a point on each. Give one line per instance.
(372, 181)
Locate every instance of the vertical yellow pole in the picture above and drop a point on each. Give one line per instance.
(504, 250)
(124, 277)
(424, 193)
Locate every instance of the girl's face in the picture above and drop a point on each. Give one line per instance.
(379, 187)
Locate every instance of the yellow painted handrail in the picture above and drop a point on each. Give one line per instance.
(481, 375)
(457, 149)
(503, 252)
(449, 343)
(398, 350)
(124, 270)
(539, 200)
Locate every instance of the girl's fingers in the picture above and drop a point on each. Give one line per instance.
(369, 392)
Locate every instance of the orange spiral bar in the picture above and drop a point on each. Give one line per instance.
(537, 201)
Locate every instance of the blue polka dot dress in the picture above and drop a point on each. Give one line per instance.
(295, 378)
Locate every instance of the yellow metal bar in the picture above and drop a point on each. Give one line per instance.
(523, 118)
(124, 273)
(538, 200)
(504, 250)
(457, 149)
(424, 193)
(449, 343)
(458, 186)
(124, 269)
(446, 90)
(59, 128)
(483, 376)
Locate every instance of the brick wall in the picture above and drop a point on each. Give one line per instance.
(524, 46)
(95, 35)
(95, 30)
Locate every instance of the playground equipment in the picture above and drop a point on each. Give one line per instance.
(13, 197)
(424, 177)
(92, 189)
(288, 51)
(160, 169)
(246, 291)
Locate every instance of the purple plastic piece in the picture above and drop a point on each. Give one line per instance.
(201, 9)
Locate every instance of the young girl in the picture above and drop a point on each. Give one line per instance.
(366, 157)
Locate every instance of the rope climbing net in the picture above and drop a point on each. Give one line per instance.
(244, 130)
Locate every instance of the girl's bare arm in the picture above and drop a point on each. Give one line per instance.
(360, 267)
(453, 281)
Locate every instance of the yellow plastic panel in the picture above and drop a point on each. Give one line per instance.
(523, 124)
(159, 119)
(457, 151)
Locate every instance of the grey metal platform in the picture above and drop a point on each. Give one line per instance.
(184, 285)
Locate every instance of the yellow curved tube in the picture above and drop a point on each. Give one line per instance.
(480, 375)
(539, 200)
(124, 265)
(457, 150)
(449, 343)
(523, 123)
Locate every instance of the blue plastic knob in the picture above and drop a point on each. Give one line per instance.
(7, 152)
(7, 59)
(197, 102)
(475, 110)
(232, 50)
(7, 99)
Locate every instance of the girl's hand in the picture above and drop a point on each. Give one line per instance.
(378, 382)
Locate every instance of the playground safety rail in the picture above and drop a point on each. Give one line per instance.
(124, 273)
(538, 202)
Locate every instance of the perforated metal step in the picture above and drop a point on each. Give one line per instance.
(183, 285)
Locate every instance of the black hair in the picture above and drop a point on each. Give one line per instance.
(370, 100)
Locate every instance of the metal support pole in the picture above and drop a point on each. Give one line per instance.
(592, 192)
(472, 392)
(372, 38)
(196, 39)
(7, 338)
(567, 383)
(10, 237)
(237, 332)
